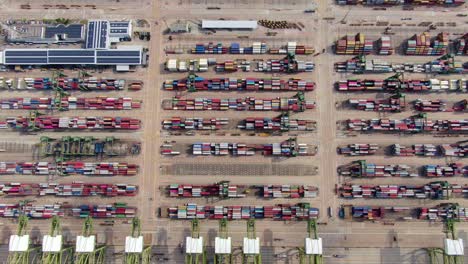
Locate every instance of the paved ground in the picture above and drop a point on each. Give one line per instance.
(359, 242)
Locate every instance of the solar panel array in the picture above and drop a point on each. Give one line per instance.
(72, 56)
(74, 31)
(97, 37)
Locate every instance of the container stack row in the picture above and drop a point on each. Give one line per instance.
(354, 45)
(422, 44)
(68, 168)
(283, 212)
(385, 46)
(285, 148)
(222, 189)
(239, 104)
(86, 84)
(256, 48)
(234, 84)
(71, 103)
(443, 213)
(359, 149)
(68, 189)
(283, 123)
(439, 66)
(461, 46)
(285, 65)
(116, 210)
(31, 210)
(435, 190)
(376, 170)
(392, 104)
(424, 105)
(427, 150)
(289, 191)
(193, 65)
(392, 85)
(181, 123)
(450, 170)
(55, 122)
(413, 125)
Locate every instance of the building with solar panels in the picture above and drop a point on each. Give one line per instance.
(49, 34)
(97, 51)
(102, 33)
(125, 56)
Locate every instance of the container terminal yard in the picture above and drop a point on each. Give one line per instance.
(210, 131)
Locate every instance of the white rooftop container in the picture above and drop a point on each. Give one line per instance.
(85, 244)
(251, 246)
(52, 243)
(133, 244)
(232, 24)
(194, 245)
(222, 245)
(454, 247)
(18, 243)
(313, 246)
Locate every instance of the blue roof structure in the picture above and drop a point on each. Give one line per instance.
(74, 31)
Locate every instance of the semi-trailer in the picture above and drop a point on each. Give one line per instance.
(281, 212)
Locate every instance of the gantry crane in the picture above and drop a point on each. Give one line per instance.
(32, 121)
(223, 250)
(311, 253)
(53, 251)
(194, 248)
(135, 252)
(19, 246)
(251, 248)
(451, 237)
(86, 250)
